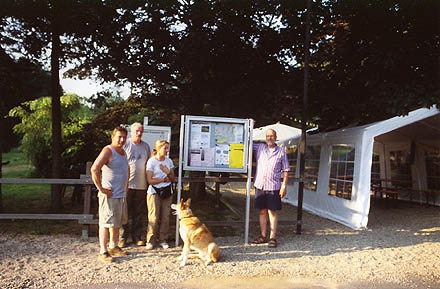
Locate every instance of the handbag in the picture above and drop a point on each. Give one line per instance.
(164, 192)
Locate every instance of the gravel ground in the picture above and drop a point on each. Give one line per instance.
(401, 249)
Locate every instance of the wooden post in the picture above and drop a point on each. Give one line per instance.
(87, 195)
(217, 194)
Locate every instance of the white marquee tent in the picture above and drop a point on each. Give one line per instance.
(283, 132)
(340, 165)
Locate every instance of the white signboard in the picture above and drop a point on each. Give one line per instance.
(154, 133)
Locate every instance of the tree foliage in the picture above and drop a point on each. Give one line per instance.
(35, 124)
(96, 134)
(370, 59)
(375, 60)
(20, 80)
(37, 29)
(201, 57)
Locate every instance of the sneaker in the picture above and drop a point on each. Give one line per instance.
(117, 252)
(140, 243)
(149, 246)
(164, 245)
(105, 257)
(122, 244)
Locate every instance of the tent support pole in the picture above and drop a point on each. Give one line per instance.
(304, 119)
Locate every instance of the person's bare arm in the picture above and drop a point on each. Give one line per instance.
(153, 181)
(128, 179)
(283, 189)
(103, 158)
(170, 175)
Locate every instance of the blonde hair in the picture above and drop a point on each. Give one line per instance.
(158, 145)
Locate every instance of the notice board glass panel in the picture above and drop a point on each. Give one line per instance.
(216, 144)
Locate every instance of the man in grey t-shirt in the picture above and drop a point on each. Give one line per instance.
(138, 152)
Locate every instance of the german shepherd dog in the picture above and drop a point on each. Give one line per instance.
(195, 235)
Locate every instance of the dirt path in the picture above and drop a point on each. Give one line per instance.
(401, 250)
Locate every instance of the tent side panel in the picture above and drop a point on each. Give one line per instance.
(352, 213)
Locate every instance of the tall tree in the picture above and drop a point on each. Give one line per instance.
(37, 29)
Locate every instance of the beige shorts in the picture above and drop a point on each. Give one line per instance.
(112, 212)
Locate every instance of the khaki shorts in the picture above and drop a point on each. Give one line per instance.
(112, 212)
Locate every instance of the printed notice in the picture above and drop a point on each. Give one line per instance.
(236, 156)
(205, 136)
(196, 135)
(207, 157)
(222, 154)
(200, 136)
(195, 158)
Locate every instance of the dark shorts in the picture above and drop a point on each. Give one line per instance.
(270, 200)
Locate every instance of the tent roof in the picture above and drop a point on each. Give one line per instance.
(283, 132)
(419, 123)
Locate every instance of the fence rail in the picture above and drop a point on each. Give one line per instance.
(87, 219)
(81, 181)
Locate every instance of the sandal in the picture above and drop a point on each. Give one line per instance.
(260, 240)
(272, 243)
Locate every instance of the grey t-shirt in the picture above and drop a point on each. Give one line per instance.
(137, 156)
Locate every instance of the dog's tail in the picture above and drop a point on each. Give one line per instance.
(214, 252)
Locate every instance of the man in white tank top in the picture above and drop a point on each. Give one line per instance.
(138, 152)
(110, 173)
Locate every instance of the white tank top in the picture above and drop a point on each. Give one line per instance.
(115, 174)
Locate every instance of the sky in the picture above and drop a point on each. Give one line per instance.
(88, 87)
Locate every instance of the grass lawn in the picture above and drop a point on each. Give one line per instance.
(32, 199)
(22, 198)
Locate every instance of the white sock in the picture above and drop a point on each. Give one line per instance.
(102, 251)
(111, 245)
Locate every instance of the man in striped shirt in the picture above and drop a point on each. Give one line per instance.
(272, 165)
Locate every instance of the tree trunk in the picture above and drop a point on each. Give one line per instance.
(197, 190)
(56, 198)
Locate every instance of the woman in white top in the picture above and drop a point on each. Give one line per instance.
(160, 174)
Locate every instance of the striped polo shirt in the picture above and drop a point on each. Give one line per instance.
(270, 167)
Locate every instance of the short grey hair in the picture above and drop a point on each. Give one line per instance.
(135, 124)
(271, 129)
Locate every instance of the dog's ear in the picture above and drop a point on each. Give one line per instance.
(188, 202)
(181, 203)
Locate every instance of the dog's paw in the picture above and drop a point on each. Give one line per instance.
(207, 262)
(182, 264)
(180, 258)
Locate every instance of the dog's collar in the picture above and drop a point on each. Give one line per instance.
(185, 217)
